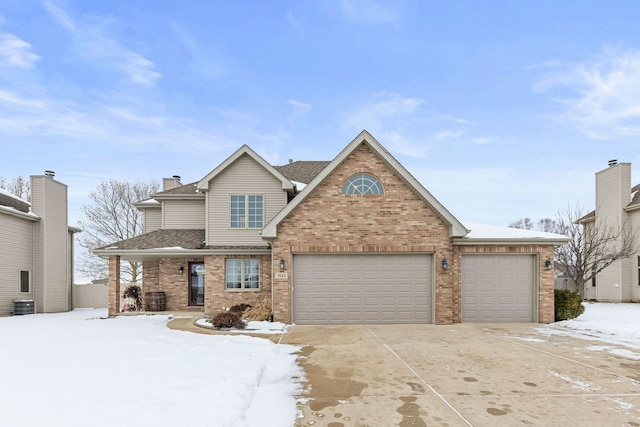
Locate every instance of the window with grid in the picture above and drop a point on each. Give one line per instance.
(247, 211)
(243, 274)
(363, 183)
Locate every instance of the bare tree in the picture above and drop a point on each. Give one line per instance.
(523, 223)
(545, 224)
(593, 246)
(19, 187)
(111, 217)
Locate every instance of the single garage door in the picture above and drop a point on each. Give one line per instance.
(362, 289)
(498, 288)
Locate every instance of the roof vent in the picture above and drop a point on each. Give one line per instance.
(49, 174)
(613, 162)
(176, 177)
(290, 161)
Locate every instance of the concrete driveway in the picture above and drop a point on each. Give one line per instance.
(462, 375)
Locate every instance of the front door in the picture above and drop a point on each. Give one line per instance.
(196, 283)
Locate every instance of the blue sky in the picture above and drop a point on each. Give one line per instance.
(502, 109)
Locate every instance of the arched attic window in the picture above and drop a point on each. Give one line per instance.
(363, 183)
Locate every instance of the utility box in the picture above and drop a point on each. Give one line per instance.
(24, 306)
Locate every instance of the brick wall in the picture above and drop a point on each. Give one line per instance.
(114, 285)
(328, 221)
(217, 297)
(175, 285)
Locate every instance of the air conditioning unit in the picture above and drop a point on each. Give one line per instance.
(24, 306)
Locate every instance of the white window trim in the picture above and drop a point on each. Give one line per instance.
(246, 211)
(242, 281)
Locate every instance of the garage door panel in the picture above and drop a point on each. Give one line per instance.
(498, 288)
(390, 288)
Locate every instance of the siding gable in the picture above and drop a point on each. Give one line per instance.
(244, 176)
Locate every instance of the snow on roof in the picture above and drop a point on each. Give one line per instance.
(484, 231)
(7, 193)
(299, 185)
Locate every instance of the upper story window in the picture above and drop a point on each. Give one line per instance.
(362, 183)
(247, 211)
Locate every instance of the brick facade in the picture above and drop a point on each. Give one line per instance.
(164, 275)
(217, 297)
(399, 221)
(114, 285)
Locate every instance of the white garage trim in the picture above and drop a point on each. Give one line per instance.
(363, 288)
(499, 288)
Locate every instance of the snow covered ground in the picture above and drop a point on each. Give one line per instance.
(78, 369)
(614, 323)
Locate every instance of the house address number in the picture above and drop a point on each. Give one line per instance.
(282, 275)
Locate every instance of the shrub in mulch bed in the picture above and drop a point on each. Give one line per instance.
(261, 311)
(240, 308)
(228, 319)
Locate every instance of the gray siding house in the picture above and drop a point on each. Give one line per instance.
(36, 254)
(617, 205)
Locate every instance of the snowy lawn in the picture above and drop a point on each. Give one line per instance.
(615, 323)
(76, 369)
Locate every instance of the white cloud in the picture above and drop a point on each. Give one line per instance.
(94, 42)
(16, 52)
(482, 140)
(367, 12)
(60, 16)
(600, 97)
(447, 134)
(15, 102)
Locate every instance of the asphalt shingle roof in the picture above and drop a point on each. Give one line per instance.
(13, 202)
(183, 189)
(302, 170)
(187, 239)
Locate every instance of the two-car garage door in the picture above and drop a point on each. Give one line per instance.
(362, 289)
(498, 288)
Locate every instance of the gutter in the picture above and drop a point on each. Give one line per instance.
(178, 253)
(466, 241)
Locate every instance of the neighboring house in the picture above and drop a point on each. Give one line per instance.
(617, 205)
(355, 240)
(36, 255)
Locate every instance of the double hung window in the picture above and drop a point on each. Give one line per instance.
(247, 211)
(243, 274)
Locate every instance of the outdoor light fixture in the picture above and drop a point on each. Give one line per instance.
(548, 264)
(181, 270)
(445, 264)
(281, 263)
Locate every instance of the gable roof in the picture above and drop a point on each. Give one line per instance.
(635, 201)
(203, 184)
(302, 170)
(457, 228)
(11, 201)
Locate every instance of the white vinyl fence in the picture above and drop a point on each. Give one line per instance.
(90, 296)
